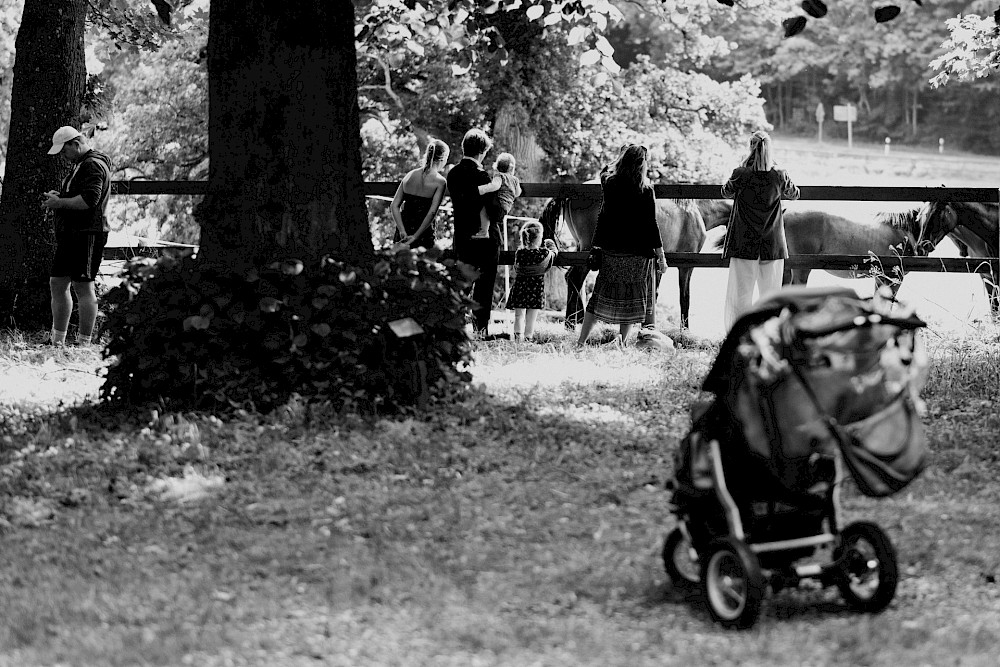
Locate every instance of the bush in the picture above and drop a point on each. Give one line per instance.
(189, 337)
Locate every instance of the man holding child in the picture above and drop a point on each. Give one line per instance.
(468, 185)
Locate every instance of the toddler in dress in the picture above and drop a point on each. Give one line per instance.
(527, 296)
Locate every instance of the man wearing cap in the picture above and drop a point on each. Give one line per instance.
(81, 232)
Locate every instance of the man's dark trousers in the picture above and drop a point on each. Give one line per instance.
(484, 255)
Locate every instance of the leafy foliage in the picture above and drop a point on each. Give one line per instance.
(881, 68)
(972, 49)
(157, 130)
(10, 20)
(189, 337)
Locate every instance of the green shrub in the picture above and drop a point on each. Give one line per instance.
(190, 337)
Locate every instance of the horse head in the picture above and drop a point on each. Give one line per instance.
(934, 221)
(978, 219)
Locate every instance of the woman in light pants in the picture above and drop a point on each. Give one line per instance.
(755, 240)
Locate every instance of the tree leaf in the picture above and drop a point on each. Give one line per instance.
(794, 25)
(291, 267)
(269, 304)
(814, 8)
(576, 35)
(887, 13)
(535, 12)
(590, 57)
(415, 47)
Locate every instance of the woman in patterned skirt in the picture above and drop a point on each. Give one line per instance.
(625, 290)
(527, 296)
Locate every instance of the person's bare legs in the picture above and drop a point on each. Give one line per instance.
(589, 319)
(530, 315)
(519, 325)
(62, 307)
(86, 298)
(624, 329)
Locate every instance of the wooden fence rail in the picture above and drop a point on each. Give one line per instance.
(663, 191)
(887, 263)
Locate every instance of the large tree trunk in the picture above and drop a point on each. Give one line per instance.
(284, 140)
(49, 80)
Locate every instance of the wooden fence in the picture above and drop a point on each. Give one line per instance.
(987, 265)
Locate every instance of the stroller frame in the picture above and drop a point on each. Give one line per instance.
(731, 568)
(764, 529)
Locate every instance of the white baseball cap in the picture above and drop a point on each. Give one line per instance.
(61, 136)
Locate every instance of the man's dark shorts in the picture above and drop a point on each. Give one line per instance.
(78, 256)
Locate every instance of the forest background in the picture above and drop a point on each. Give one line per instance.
(690, 80)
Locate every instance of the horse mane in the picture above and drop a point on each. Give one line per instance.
(550, 216)
(903, 220)
(687, 205)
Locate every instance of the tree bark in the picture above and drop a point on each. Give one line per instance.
(284, 140)
(49, 81)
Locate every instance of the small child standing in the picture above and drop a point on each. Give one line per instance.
(501, 203)
(527, 296)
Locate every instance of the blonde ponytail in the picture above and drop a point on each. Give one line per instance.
(436, 154)
(530, 232)
(759, 158)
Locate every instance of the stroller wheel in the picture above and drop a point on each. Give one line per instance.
(680, 560)
(868, 570)
(732, 582)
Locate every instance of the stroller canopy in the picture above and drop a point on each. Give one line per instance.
(808, 370)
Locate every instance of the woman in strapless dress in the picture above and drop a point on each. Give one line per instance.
(418, 197)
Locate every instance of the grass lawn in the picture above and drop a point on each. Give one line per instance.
(519, 526)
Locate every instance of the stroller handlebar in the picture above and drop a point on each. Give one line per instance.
(871, 319)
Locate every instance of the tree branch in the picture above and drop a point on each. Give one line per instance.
(387, 84)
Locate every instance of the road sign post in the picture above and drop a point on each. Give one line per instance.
(820, 115)
(846, 113)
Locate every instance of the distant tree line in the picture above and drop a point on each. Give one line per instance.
(884, 69)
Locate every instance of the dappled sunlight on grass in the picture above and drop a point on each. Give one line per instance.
(591, 412)
(547, 370)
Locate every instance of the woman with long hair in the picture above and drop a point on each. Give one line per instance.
(625, 290)
(755, 241)
(418, 197)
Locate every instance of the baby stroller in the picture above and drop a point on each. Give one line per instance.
(811, 386)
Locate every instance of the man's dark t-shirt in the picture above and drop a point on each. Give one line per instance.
(91, 179)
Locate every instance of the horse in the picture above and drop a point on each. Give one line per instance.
(975, 229)
(715, 212)
(681, 230)
(906, 233)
